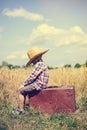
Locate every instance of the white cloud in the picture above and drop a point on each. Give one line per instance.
(11, 57)
(21, 12)
(76, 29)
(16, 55)
(50, 34)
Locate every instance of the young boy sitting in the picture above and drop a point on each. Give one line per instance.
(36, 81)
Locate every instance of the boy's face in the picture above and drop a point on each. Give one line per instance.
(36, 60)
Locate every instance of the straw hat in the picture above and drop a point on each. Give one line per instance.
(34, 53)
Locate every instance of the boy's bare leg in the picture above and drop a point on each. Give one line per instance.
(21, 99)
(21, 102)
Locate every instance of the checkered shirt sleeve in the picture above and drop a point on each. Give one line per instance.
(39, 68)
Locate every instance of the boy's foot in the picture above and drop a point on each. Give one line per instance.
(17, 111)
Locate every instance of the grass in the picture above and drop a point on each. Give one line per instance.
(34, 120)
(10, 81)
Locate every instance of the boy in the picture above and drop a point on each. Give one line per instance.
(36, 81)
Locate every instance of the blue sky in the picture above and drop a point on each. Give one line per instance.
(57, 25)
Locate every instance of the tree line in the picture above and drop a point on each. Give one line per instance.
(10, 66)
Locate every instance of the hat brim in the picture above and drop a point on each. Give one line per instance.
(31, 60)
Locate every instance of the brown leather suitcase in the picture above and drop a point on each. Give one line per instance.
(54, 100)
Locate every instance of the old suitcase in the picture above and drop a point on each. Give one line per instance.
(54, 100)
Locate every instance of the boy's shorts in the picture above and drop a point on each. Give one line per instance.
(28, 90)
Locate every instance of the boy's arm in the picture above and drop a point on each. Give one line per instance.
(32, 77)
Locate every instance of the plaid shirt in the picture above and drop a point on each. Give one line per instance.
(39, 76)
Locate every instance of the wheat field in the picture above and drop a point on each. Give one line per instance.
(10, 81)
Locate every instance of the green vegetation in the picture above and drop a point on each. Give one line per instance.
(10, 66)
(77, 65)
(34, 120)
(67, 65)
